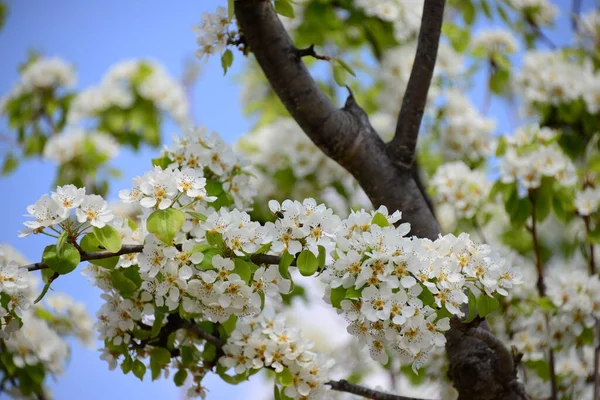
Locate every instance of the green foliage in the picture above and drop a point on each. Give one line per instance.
(165, 224)
(108, 237)
(307, 263)
(90, 243)
(62, 263)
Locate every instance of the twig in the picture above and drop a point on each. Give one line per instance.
(542, 287)
(310, 52)
(345, 386)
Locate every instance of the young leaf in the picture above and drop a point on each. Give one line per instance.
(180, 377)
(165, 224)
(284, 265)
(230, 9)
(242, 269)
(64, 263)
(380, 219)
(486, 305)
(337, 295)
(285, 377)
(344, 65)
(307, 263)
(226, 60)
(109, 238)
(283, 7)
(158, 359)
(139, 369)
(89, 243)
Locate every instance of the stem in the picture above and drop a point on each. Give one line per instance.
(541, 286)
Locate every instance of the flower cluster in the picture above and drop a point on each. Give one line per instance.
(213, 33)
(576, 296)
(266, 342)
(543, 80)
(42, 74)
(587, 201)
(76, 143)
(200, 154)
(126, 81)
(392, 288)
(51, 211)
(531, 154)
(14, 287)
(466, 133)
(465, 190)
(538, 12)
(496, 41)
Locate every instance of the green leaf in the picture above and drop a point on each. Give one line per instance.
(10, 164)
(242, 268)
(214, 238)
(180, 377)
(109, 238)
(127, 365)
(468, 11)
(60, 244)
(197, 215)
(380, 219)
(165, 224)
(157, 324)
(230, 324)
(486, 304)
(339, 74)
(125, 286)
(230, 9)
(472, 307)
(427, 297)
(139, 369)
(226, 60)
(322, 256)
(285, 377)
(307, 263)
(284, 8)
(344, 65)
(90, 244)
(284, 265)
(159, 357)
(64, 263)
(337, 295)
(47, 274)
(541, 368)
(162, 162)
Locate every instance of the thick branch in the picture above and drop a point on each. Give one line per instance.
(402, 147)
(282, 64)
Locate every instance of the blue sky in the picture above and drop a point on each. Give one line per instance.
(94, 35)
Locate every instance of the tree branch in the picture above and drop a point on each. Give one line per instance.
(345, 386)
(345, 135)
(403, 145)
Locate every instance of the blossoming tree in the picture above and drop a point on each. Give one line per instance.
(469, 260)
